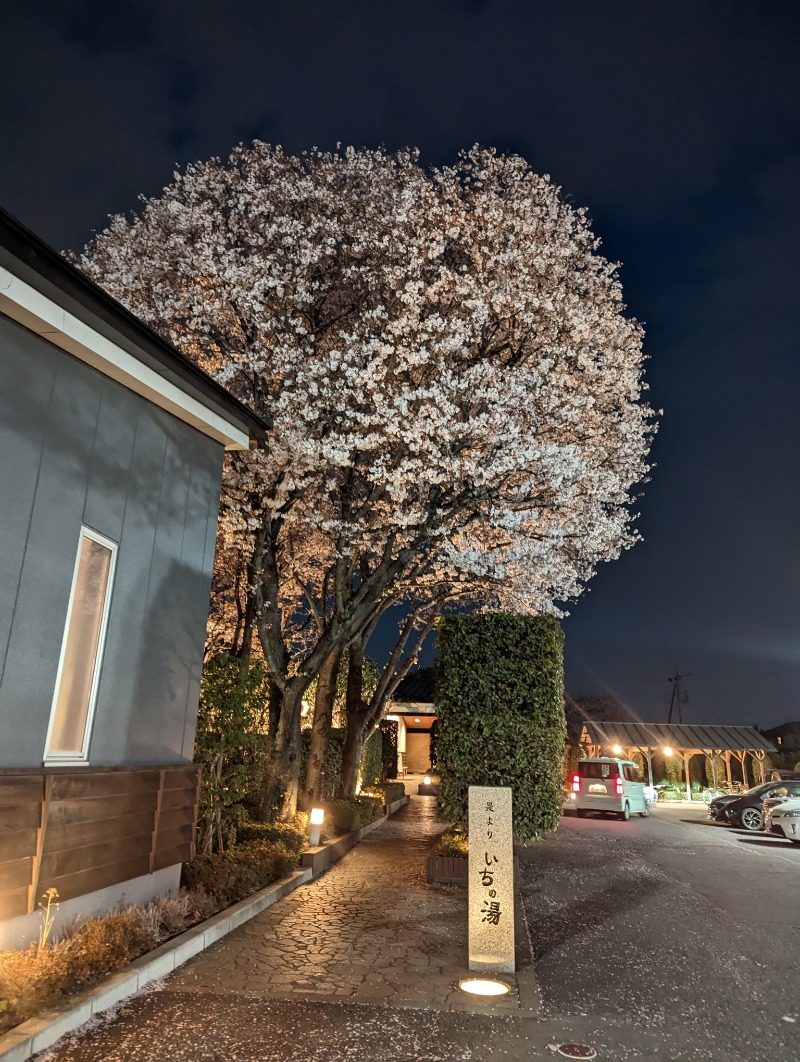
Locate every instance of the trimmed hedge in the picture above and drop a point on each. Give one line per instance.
(388, 792)
(500, 704)
(231, 876)
(349, 815)
(372, 760)
(291, 835)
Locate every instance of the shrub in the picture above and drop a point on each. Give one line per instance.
(228, 745)
(293, 835)
(387, 792)
(348, 815)
(239, 872)
(30, 982)
(453, 842)
(500, 703)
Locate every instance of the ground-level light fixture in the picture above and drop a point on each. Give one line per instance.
(617, 749)
(316, 818)
(426, 780)
(487, 987)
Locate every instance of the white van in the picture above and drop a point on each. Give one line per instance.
(607, 784)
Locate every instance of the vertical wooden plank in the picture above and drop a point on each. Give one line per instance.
(40, 835)
(157, 819)
(199, 779)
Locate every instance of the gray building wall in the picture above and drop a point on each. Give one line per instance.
(77, 448)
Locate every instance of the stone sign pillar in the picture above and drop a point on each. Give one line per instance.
(491, 880)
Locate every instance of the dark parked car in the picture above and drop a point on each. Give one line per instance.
(747, 810)
(717, 807)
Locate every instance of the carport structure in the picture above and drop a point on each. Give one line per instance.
(716, 742)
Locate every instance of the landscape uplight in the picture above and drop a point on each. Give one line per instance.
(483, 986)
(316, 818)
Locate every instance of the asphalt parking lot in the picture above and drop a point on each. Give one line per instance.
(669, 923)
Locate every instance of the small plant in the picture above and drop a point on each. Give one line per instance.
(454, 842)
(48, 906)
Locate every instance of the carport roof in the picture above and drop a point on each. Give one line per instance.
(679, 737)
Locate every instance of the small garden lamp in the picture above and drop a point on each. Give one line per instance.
(317, 815)
(426, 780)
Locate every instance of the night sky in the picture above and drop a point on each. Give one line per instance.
(675, 122)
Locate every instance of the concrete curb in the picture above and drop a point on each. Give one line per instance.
(41, 1032)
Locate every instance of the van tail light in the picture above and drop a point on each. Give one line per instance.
(619, 785)
(576, 783)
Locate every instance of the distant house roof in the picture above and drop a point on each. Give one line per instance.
(42, 291)
(416, 688)
(679, 736)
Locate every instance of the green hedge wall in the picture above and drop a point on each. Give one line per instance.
(388, 728)
(500, 704)
(372, 760)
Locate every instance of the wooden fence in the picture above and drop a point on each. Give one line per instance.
(83, 830)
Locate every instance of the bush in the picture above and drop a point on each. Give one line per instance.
(348, 815)
(229, 747)
(387, 792)
(292, 835)
(453, 842)
(31, 981)
(239, 872)
(500, 703)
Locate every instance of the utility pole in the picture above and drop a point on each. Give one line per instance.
(679, 697)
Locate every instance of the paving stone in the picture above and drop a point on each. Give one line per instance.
(369, 930)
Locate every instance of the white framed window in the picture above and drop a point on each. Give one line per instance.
(81, 650)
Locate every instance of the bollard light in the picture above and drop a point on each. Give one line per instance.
(426, 780)
(316, 819)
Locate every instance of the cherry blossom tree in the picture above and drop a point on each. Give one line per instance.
(454, 387)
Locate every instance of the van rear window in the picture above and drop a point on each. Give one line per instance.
(596, 770)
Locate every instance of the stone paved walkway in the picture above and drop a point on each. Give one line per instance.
(370, 930)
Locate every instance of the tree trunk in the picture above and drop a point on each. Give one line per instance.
(357, 715)
(279, 797)
(321, 728)
(243, 638)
